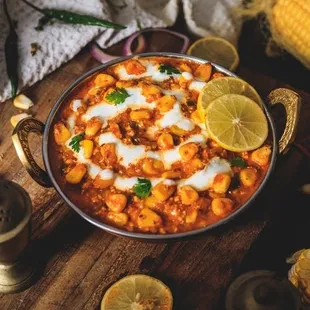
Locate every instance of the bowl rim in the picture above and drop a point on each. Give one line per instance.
(139, 235)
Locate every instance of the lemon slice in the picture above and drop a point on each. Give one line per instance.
(223, 86)
(236, 123)
(217, 50)
(137, 292)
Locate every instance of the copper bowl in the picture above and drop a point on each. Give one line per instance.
(288, 98)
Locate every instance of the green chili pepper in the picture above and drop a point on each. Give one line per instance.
(74, 18)
(11, 53)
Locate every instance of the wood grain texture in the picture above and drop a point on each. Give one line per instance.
(78, 262)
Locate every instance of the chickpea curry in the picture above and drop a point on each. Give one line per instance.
(133, 151)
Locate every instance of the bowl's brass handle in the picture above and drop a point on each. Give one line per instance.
(292, 104)
(20, 141)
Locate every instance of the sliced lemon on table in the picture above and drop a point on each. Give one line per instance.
(217, 50)
(137, 292)
(224, 86)
(236, 123)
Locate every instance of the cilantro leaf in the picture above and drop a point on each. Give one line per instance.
(75, 142)
(117, 96)
(238, 162)
(168, 69)
(142, 188)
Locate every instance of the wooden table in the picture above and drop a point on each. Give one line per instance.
(79, 262)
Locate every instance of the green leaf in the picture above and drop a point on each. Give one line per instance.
(142, 188)
(238, 162)
(168, 69)
(117, 96)
(75, 142)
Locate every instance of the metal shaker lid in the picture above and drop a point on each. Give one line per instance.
(15, 209)
(262, 290)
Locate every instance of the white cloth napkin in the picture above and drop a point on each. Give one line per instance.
(60, 42)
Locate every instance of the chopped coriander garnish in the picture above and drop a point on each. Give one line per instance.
(142, 188)
(75, 142)
(238, 162)
(117, 96)
(168, 69)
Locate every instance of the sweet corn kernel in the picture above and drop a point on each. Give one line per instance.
(191, 217)
(188, 151)
(22, 102)
(203, 72)
(102, 183)
(221, 183)
(93, 126)
(221, 206)
(15, 119)
(148, 219)
(134, 67)
(104, 80)
(61, 133)
(165, 141)
(125, 83)
(150, 201)
(75, 175)
(151, 92)
(261, 156)
(116, 202)
(120, 219)
(166, 103)
(248, 176)
(163, 191)
(88, 147)
(171, 174)
(178, 131)
(139, 115)
(188, 195)
(152, 166)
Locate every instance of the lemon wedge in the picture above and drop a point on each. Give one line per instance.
(224, 86)
(137, 292)
(236, 123)
(217, 50)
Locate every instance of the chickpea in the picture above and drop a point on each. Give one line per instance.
(203, 72)
(139, 115)
(261, 156)
(93, 126)
(125, 83)
(151, 92)
(88, 147)
(191, 217)
(134, 67)
(248, 176)
(61, 133)
(152, 166)
(221, 183)
(116, 202)
(221, 206)
(188, 151)
(163, 191)
(166, 103)
(95, 91)
(104, 80)
(120, 219)
(165, 141)
(148, 219)
(76, 174)
(197, 164)
(188, 195)
(108, 152)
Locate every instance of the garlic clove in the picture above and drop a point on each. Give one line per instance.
(15, 119)
(22, 102)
